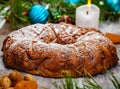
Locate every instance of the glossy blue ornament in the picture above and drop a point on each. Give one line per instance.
(73, 1)
(38, 14)
(114, 4)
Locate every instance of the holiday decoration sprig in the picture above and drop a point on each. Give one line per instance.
(59, 11)
(17, 17)
(89, 83)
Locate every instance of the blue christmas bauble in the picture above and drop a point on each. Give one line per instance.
(114, 4)
(73, 1)
(38, 14)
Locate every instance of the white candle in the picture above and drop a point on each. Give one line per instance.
(87, 17)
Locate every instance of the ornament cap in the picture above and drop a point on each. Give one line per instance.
(47, 6)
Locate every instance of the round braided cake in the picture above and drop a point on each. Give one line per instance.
(56, 50)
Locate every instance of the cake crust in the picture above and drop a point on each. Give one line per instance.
(56, 50)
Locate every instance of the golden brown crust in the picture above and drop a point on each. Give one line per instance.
(56, 50)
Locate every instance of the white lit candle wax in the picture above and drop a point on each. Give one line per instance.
(87, 17)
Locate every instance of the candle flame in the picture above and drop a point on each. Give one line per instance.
(89, 4)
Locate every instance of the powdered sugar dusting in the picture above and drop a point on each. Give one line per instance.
(67, 47)
(63, 33)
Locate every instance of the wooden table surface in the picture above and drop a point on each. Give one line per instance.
(102, 79)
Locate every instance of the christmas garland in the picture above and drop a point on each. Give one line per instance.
(22, 12)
